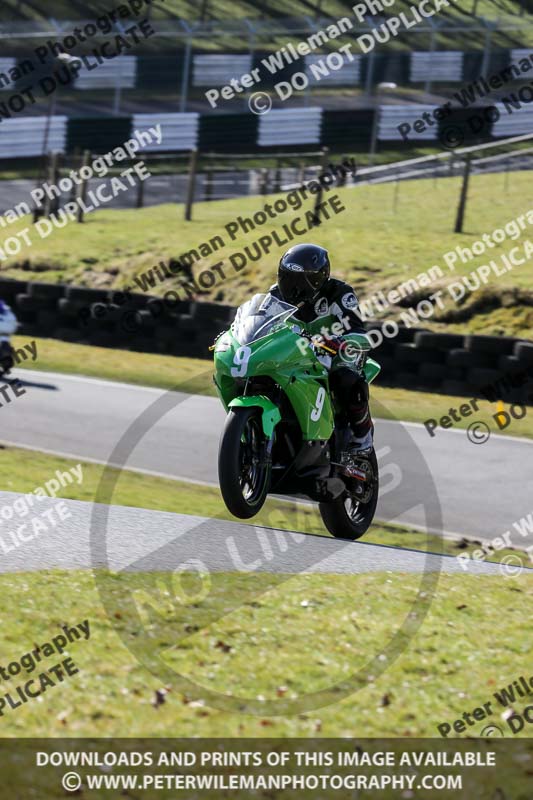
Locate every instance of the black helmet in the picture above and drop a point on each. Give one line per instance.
(302, 272)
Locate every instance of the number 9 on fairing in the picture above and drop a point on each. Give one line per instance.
(319, 404)
(242, 356)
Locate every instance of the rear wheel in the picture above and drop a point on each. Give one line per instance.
(348, 517)
(243, 469)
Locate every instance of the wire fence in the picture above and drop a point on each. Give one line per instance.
(208, 177)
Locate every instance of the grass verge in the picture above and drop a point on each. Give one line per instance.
(194, 376)
(302, 636)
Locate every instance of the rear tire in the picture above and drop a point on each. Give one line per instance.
(347, 518)
(244, 480)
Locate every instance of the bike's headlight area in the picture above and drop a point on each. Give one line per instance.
(222, 344)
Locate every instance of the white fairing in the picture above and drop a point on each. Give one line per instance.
(8, 321)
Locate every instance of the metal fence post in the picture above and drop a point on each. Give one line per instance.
(252, 43)
(277, 178)
(208, 185)
(432, 45)
(374, 132)
(318, 201)
(51, 204)
(118, 92)
(396, 195)
(461, 209)
(82, 188)
(369, 73)
(186, 70)
(486, 51)
(264, 180)
(190, 187)
(140, 194)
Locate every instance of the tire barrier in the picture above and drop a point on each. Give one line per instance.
(466, 365)
(244, 132)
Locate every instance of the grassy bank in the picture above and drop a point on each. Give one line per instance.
(222, 10)
(375, 243)
(194, 376)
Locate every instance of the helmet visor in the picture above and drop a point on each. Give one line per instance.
(297, 286)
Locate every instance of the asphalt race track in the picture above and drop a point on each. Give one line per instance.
(134, 539)
(481, 489)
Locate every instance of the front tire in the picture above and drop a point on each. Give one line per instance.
(243, 470)
(7, 360)
(346, 517)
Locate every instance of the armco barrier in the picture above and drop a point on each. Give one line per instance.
(417, 359)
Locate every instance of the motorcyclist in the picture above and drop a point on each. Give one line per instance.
(8, 326)
(324, 305)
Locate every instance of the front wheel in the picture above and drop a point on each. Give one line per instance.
(243, 467)
(346, 517)
(7, 360)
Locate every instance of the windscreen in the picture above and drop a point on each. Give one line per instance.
(258, 316)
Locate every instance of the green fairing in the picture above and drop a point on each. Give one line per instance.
(293, 366)
(372, 369)
(299, 374)
(271, 413)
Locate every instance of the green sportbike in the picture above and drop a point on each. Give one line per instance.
(280, 435)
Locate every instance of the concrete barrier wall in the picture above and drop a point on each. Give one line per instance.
(415, 359)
